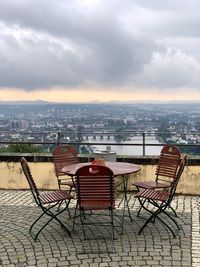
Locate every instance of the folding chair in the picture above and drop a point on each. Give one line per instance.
(95, 191)
(161, 200)
(64, 155)
(166, 171)
(46, 201)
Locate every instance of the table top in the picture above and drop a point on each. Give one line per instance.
(118, 168)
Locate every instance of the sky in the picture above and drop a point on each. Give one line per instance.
(99, 50)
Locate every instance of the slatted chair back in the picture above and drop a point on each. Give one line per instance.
(64, 155)
(168, 164)
(31, 182)
(175, 181)
(95, 188)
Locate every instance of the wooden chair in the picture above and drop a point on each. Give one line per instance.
(46, 201)
(161, 200)
(95, 191)
(64, 155)
(166, 171)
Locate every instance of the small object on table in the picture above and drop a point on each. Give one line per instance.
(100, 162)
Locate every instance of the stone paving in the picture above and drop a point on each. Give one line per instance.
(154, 247)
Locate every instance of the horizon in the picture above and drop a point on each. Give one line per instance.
(149, 51)
(43, 102)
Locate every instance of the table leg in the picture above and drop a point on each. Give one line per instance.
(125, 184)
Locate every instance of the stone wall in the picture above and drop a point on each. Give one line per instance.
(11, 176)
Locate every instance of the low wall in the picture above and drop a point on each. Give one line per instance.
(11, 176)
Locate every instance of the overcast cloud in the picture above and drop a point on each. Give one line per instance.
(133, 43)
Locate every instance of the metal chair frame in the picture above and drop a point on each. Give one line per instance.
(161, 200)
(94, 191)
(51, 199)
(166, 171)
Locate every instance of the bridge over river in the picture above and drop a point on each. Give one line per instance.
(127, 149)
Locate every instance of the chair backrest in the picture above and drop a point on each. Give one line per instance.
(168, 163)
(178, 176)
(29, 177)
(64, 155)
(95, 187)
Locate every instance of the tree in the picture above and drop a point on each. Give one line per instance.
(21, 148)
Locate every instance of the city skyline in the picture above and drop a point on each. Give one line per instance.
(83, 50)
(97, 125)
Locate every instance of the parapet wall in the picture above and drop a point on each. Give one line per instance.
(11, 176)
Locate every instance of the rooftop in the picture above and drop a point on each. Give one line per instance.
(154, 247)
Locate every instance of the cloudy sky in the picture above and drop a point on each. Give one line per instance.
(83, 50)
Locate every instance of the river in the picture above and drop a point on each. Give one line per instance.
(130, 150)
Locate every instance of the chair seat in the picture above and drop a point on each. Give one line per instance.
(151, 185)
(153, 195)
(54, 196)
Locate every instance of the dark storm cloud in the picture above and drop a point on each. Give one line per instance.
(50, 43)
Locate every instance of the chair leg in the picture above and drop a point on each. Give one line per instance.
(54, 216)
(141, 207)
(31, 227)
(175, 214)
(65, 200)
(113, 230)
(172, 219)
(141, 203)
(123, 218)
(169, 206)
(48, 212)
(82, 217)
(153, 217)
(160, 208)
(125, 184)
(67, 204)
(112, 225)
(44, 212)
(75, 215)
(167, 226)
(59, 206)
(36, 236)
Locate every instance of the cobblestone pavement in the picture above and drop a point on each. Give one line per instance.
(154, 247)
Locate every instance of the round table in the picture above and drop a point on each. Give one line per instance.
(118, 168)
